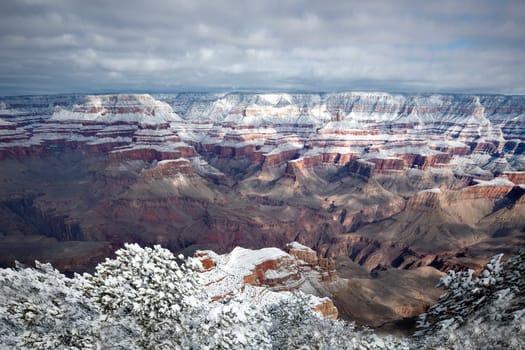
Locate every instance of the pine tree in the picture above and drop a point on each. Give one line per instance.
(295, 325)
(153, 289)
(483, 312)
(233, 323)
(41, 309)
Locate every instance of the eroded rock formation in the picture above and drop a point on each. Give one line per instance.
(266, 275)
(388, 180)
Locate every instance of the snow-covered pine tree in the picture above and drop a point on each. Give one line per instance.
(295, 325)
(40, 308)
(484, 312)
(234, 323)
(153, 289)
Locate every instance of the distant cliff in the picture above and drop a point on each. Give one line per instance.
(389, 180)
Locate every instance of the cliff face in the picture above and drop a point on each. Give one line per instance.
(423, 131)
(394, 132)
(355, 174)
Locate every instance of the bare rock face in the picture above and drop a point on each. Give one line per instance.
(388, 299)
(169, 168)
(425, 199)
(327, 308)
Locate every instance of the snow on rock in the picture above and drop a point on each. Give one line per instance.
(423, 131)
(263, 276)
(246, 259)
(517, 177)
(394, 132)
(5, 123)
(110, 109)
(498, 181)
(298, 246)
(130, 125)
(302, 252)
(431, 190)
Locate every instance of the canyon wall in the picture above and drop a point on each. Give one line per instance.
(389, 180)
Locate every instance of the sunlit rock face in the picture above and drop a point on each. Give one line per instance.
(267, 275)
(387, 180)
(393, 132)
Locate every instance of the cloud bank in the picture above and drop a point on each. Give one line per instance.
(49, 46)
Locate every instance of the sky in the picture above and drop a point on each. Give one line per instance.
(57, 46)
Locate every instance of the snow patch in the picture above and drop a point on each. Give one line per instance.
(498, 181)
(299, 246)
(431, 190)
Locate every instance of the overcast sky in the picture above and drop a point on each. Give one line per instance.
(50, 46)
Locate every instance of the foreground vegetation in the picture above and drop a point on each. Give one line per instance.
(146, 298)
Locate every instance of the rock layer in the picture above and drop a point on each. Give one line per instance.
(355, 174)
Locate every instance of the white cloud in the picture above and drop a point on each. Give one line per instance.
(161, 44)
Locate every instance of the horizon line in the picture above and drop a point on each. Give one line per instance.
(263, 91)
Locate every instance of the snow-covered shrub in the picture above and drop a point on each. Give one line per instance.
(295, 325)
(233, 323)
(154, 290)
(159, 296)
(41, 309)
(483, 312)
(146, 298)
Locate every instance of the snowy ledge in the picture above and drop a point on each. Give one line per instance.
(498, 181)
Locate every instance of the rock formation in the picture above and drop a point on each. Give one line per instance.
(265, 275)
(372, 176)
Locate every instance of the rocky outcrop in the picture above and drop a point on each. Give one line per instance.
(327, 269)
(266, 275)
(150, 153)
(425, 199)
(169, 168)
(205, 259)
(408, 311)
(387, 165)
(361, 168)
(304, 253)
(276, 158)
(325, 266)
(433, 198)
(492, 189)
(327, 308)
(517, 177)
(424, 161)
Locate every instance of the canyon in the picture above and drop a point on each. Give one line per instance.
(395, 187)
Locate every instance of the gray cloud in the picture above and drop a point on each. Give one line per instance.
(49, 46)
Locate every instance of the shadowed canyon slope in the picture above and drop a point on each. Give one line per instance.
(387, 180)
